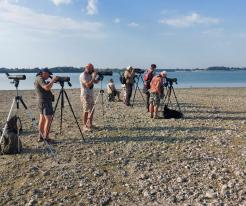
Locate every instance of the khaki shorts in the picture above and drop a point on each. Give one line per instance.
(155, 99)
(87, 102)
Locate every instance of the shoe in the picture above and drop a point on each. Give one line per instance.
(50, 141)
(157, 117)
(40, 139)
(86, 129)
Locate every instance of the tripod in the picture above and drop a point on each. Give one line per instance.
(17, 100)
(138, 78)
(167, 100)
(101, 96)
(61, 97)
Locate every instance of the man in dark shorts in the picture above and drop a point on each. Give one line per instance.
(44, 95)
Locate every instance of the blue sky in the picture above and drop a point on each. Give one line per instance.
(118, 33)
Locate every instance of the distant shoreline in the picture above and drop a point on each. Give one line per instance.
(116, 70)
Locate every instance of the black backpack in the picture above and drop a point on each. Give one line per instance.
(122, 78)
(11, 142)
(170, 113)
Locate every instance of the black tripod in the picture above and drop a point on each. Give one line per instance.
(61, 97)
(17, 100)
(138, 78)
(167, 100)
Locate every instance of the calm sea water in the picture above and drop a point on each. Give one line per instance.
(195, 79)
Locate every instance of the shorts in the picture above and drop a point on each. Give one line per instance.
(155, 99)
(46, 108)
(87, 102)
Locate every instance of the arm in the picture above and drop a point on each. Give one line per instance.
(47, 87)
(88, 84)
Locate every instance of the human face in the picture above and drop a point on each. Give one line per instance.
(45, 75)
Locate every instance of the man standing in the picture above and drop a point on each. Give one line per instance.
(129, 75)
(148, 76)
(87, 81)
(43, 90)
(156, 92)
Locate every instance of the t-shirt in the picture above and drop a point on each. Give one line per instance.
(84, 90)
(110, 88)
(43, 95)
(156, 84)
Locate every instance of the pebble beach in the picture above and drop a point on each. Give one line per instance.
(130, 159)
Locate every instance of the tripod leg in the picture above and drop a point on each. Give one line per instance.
(62, 106)
(29, 113)
(71, 108)
(176, 99)
(5, 126)
(134, 96)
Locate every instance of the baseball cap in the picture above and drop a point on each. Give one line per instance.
(45, 70)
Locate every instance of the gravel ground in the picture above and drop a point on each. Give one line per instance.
(131, 159)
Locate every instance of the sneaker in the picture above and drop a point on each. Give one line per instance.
(86, 129)
(50, 141)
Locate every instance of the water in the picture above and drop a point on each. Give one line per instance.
(197, 79)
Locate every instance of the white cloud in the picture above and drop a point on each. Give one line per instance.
(190, 20)
(12, 15)
(92, 7)
(58, 2)
(133, 24)
(117, 20)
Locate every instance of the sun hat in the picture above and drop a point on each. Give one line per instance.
(128, 68)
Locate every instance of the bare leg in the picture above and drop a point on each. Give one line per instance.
(48, 120)
(151, 109)
(85, 118)
(156, 111)
(89, 125)
(41, 125)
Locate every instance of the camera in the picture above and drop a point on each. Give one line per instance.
(62, 79)
(105, 73)
(101, 74)
(138, 71)
(16, 77)
(170, 81)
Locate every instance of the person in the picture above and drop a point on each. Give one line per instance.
(87, 80)
(112, 91)
(148, 76)
(129, 75)
(45, 96)
(156, 93)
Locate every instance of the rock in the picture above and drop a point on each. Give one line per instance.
(211, 194)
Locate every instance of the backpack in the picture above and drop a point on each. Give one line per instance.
(170, 113)
(147, 79)
(11, 141)
(122, 78)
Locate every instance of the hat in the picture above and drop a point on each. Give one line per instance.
(45, 70)
(163, 73)
(128, 68)
(89, 66)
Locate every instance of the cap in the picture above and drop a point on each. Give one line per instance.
(89, 66)
(163, 73)
(129, 67)
(45, 70)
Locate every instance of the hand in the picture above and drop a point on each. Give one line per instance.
(94, 75)
(55, 78)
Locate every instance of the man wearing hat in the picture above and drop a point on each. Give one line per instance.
(129, 75)
(44, 95)
(156, 91)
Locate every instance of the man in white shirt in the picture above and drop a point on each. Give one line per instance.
(87, 81)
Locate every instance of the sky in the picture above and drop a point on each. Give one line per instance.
(118, 33)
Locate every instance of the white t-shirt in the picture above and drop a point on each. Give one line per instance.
(85, 77)
(109, 86)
